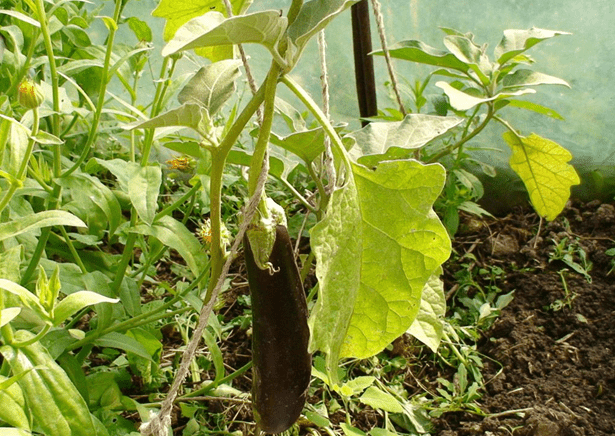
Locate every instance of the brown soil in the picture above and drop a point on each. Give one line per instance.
(554, 362)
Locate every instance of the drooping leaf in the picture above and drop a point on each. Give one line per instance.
(402, 244)
(517, 41)
(531, 78)
(416, 51)
(463, 101)
(212, 85)
(543, 166)
(336, 242)
(75, 302)
(313, 16)
(140, 28)
(123, 342)
(413, 132)
(379, 399)
(427, 327)
(212, 29)
(381, 234)
(38, 220)
(175, 235)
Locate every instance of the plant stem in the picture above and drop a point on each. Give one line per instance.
(481, 126)
(170, 208)
(260, 149)
(210, 387)
(102, 91)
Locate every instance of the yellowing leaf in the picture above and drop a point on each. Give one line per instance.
(179, 12)
(543, 166)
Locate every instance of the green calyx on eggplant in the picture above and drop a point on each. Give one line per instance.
(280, 335)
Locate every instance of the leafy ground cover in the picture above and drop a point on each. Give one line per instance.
(542, 364)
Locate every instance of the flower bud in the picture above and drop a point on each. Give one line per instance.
(30, 95)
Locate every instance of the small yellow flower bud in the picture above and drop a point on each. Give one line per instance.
(30, 95)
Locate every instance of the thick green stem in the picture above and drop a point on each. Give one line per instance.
(42, 18)
(260, 149)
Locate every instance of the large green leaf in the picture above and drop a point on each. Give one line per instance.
(175, 235)
(307, 144)
(413, 132)
(416, 51)
(427, 327)
(517, 41)
(314, 16)
(524, 77)
(376, 249)
(212, 85)
(141, 183)
(543, 166)
(463, 101)
(212, 29)
(75, 302)
(86, 188)
(38, 220)
(379, 399)
(402, 244)
(55, 406)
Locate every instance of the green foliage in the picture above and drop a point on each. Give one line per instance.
(104, 180)
(485, 87)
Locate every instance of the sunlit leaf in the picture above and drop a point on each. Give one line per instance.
(212, 29)
(381, 233)
(179, 12)
(175, 235)
(543, 166)
(379, 399)
(187, 115)
(20, 16)
(427, 327)
(463, 101)
(413, 132)
(517, 41)
(38, 220)
(7, 315)
(74, 302)
(531, 78)
(314, 16)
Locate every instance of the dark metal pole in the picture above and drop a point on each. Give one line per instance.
(363, 63)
